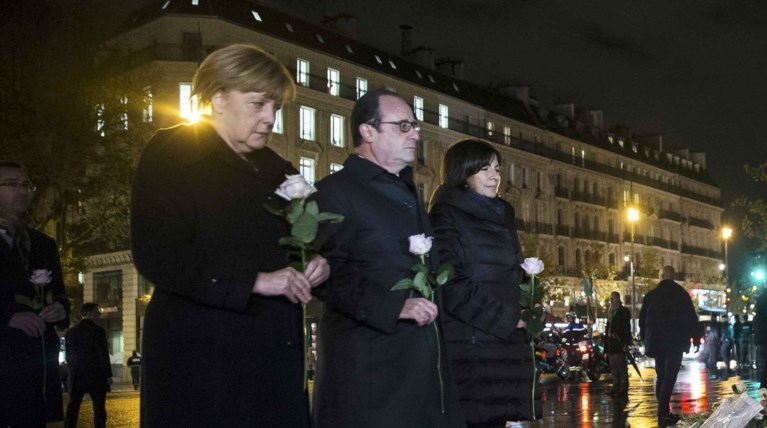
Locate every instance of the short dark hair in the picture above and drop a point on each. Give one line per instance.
(367, 110)
(464, 159)
(87, 308)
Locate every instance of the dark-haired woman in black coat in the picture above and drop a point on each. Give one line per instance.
(476, 233)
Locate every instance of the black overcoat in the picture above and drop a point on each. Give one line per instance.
(618, 331)
(491, 358)
(667, 320)
(374, 370)
(214, 355)
(30, 391)
(88, 357)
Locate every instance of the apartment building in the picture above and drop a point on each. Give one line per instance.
(570, 179)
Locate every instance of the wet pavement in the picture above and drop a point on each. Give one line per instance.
(566, 403)
(587, 404)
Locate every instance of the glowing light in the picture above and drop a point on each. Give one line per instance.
(726, 233)
(632, 215)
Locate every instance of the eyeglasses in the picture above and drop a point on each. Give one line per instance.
(405, 126)
(26, 185)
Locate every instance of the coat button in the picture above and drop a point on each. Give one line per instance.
(289, 343)
(214, 280)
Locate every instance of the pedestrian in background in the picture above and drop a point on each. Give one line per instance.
(90, 371)
(618, 335)
(476, 232)
(667, 324)
(32, 303)
(223, 336)
(134, 362)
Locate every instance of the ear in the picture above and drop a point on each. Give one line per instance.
(366, 131)
(218, 102)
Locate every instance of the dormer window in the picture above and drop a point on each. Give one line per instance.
(256, 15)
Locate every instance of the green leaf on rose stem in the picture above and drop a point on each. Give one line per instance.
(418, 267)
(444, 274)
(524, 300)
(274, 210)
(538, 292)
(535, 327)
(24, 300)
(48, 297)
(525, 287)
(290, 241)
(294, 210)
(420, 284)
(311, 208)
(537, 311)
(526, 316)
(305, 228)
(403, 284)
(331, 217)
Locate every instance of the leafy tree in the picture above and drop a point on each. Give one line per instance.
(64, 118)
(754, 224)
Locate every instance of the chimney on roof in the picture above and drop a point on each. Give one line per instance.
(567, 110)
(342, 23)
(451, 66)
(592, 117)
(407, 43)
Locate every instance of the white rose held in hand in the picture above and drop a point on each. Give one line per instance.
(40, 277)
(420, 245)
(295, 187)
(533, 265)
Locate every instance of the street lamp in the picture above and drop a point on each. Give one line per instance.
(726, 235)
(632, 217)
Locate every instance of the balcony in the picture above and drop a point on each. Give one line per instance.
(588, 198)
(563, 230)
(699, 222)
(698, 251)
(669, 215)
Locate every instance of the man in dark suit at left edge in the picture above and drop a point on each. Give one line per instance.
(32, 302)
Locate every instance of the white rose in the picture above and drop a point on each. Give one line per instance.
(533, 265)
(40, 277)
(420, 244)
(295, 187)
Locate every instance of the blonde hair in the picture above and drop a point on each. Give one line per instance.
(244, 68)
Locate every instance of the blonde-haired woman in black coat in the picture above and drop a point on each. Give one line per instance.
(475, 231)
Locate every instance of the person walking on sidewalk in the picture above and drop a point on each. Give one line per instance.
(89, 368)
(134, 362)
(667, 323)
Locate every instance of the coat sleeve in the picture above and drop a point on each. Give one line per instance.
(643, 320)
(350, 289)
(57, 280)
(164, 245)
(463, 298)
(102, 353)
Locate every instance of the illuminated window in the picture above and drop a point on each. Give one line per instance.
(335, 167)
(506, 135)
(490, 127)
(100, 120)
(443, 116)
(418, 108)
(362, 87)
(124, 113)
(337, 130)
(306, 123)
(334, 82)
(302, 72)
(188, 108)
(306, 168)
(277, 128)
(147, 111)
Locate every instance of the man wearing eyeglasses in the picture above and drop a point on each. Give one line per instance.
(32, 301)
(379, 363)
